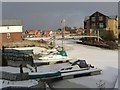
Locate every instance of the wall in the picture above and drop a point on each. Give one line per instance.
(14, 37)
(113, 25)
(14, 31)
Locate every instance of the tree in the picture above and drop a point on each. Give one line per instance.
(75, 28)
(67, 28)
(59, 29)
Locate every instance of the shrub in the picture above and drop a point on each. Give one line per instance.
(112, 45)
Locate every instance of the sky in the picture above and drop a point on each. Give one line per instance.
(60, 0)
(48, 15)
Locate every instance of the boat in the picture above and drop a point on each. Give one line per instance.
(44, 75)
(72, 70)
(79, 68)
(78, 75)
(47, 52)
(59, 57)
(100, 81)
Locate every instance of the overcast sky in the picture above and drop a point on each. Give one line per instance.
(48, 15)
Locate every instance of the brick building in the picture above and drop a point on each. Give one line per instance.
(10, 31)
(101, 22)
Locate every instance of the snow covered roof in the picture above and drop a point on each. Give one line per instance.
(86, 18)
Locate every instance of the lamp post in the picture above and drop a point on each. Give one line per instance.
(63, 34)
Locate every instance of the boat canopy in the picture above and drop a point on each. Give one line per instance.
(61, 52)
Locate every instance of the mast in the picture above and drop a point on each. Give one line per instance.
(63, 34)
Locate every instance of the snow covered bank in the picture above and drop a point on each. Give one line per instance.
(105, 59)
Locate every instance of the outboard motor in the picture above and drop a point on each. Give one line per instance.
(82, 64)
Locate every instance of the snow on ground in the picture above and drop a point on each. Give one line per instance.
(105, 59)
(26, 83)
(102, 58)
(116, 85)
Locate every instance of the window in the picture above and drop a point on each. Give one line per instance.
(8, 35)
(93, 25)
(101, 25)
(8, 27)
(100, 18)
(93, 18)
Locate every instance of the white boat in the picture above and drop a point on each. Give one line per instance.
(47, 52)
(59, 57)
(79, 68)
(68, 71)
(52, 59)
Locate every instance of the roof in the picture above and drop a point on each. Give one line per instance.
(86, 18)
(99, 13)
(50, 30)
(11, 22)
(113, 17)
(32, 31)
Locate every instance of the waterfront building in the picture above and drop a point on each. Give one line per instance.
(10, 30)
(107, 25)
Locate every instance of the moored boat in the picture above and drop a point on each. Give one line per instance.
(59, 57)
(71, 71)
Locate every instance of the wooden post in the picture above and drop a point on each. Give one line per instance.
(63, 34)
(98, 35)
(21, 68)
